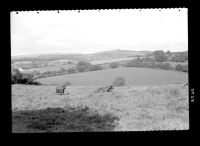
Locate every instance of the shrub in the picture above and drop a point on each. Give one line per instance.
(160, 56)
(62, 70)
(185, 68)
(178, 67)
(83, 66)
(67, 83)
(95, 67)
(114, 65)
(159, 65)
(23, 78)
(135, 63)
(132, 63)
(36, 83)
(71, 70)
(167, 66)
(120, 81)
(70, 62)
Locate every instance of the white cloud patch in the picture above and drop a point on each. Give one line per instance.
(91, 31)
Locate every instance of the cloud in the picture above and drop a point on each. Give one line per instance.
(91, 31)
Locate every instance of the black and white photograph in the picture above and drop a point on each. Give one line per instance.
(99, 70)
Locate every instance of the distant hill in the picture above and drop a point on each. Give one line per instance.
(78, 57)
(116, 54)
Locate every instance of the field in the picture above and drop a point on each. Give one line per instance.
(139, 108)
(133, 77)
(52, 68)
(106, 61)
(152, 99)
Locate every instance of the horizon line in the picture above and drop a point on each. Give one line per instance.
(93, 52)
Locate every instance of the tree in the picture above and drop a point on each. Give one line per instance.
(71, 70)
(138, 58)
(183, 68)
(16, 76)
(95, 67)
(178, 67)
(168, 53)
(70, 62)
(62, 70)
(83, 66)
(114, 65)
(160, 56)
(167, 66)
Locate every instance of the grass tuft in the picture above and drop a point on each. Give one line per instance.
(174, 92)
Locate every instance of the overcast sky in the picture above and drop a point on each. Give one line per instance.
(92, 31)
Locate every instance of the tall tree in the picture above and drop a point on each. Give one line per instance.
(160, 56)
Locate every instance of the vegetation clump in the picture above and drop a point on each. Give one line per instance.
(114, 65)
(23, 78)
(95, 67)
(180, 67)
(119, 81)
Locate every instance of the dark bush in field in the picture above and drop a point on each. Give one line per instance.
(62, 70)
(95, 67)
(114, 65)
(61, 120)
(71, 70)
(135, 63)
(120, 81)
(180, 57)
(185, 68)
(23, 78)
(167, 66)
(66, 83)
(83, 66)
(160, 56)
(180, 67)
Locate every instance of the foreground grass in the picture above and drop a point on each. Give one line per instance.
(61, 120)
(139, 108)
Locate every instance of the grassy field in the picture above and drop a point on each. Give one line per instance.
(133, 77)
(52, 68)
(139, 108)
(104, 61)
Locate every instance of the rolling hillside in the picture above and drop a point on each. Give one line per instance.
(116, 54)
(89, 57)
(133, 76)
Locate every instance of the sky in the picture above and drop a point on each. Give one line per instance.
(90, 31)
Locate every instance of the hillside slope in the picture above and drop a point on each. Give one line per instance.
(76, 56)
(133, 76)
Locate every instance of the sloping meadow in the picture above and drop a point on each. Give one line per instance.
(139, 108)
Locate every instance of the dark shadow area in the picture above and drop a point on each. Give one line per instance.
(61, 120)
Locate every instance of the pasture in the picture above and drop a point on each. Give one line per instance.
(133, 77)
(139, 108)
(106, 61)
(52, 68)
